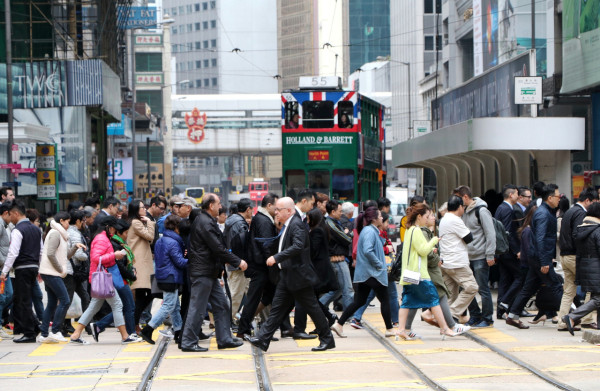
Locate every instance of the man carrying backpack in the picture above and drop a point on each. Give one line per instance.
(482, 249)
(236, 235)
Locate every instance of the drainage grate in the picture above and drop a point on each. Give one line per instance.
(91, 371)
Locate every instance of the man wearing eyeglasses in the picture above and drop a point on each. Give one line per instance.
(175, 204)
(158, 204)
(522, 204)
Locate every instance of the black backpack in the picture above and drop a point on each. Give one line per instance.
(502, 245)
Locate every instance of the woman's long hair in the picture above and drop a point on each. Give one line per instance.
(133, 210)
(366, 217)
(413, 212)
(527, 220)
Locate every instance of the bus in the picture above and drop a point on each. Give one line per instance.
(196, 193)
(333, 141)
(258, 189)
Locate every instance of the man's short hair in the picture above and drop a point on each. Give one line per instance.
(462, 191)
(383, 202)
(157, 200)
(508, 189)
(548, 191)
(92, 201)
(4, 191)
(538, 188)
(110, 201)
(207, 200)
(321, 197)
(243, 205)
(347, 207)
(454, 202)
(5, 207)
(416, 199)
(305, 194)
(76, 215)
(74, 205)
(523, 190)
(369, 203)
(331, 205)
(222, 210)
(18, 206)
(269, 198)
(588, 194)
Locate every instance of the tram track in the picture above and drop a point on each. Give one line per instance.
(473, 337)
(152, 369)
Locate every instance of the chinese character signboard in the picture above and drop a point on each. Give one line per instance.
(148, 40)
(195, 123)
(47, 172)
(149, 78)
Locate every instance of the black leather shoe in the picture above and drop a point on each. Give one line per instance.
(567, 320)
(287, 334)
(194, 349)
(243, 335)
(259, 343)
(334, 319)
(274, 339)
(324, 346)
(231, 345)
(303, 336)
(516, 323)
(203, 336)
(314, 332)
(24, 339)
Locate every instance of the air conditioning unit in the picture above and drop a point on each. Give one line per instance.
(128, 96)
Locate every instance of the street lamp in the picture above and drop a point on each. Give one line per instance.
(381, 58)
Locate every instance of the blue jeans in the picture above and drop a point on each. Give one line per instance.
(342, 273)
(38, 300)
(128, 311)
(481, 272)
(170, 306)
(57, 294)
(394, 306)
(6, 297)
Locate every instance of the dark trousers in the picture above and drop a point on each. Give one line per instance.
(516, 287)
(361, 294)
(23, 316)
(283, 300)
(534, 279)
(143, 297)
(510, 272)
(481, 272)
(300, 316)
(260, 288)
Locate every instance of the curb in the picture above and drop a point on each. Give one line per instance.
(591, 336)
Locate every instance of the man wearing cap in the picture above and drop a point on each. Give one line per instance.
(206, 256)
(174, 203)
(185, 207)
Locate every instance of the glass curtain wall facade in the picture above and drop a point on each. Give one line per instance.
(369, 22)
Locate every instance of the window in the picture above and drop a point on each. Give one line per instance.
(153, 98)
(189, 46)
(213, 24)
(213, 62)
(206, 82)
(189, 28)
(318, 180)
(174, 11)
(428, 42)
(213, 5)
(174, 30)
(182, 66)
(294, 182)
(429, 4)
(205, 25)
(214, 81)
(188, 8)
(213, 43)
(197, 7)
(205, 44)
(205, 63)
(345, 114)
(198, 64)
(181, 10)
(197, 26)
(342, 185)
(317, 114)
(174, 47)
(204, 6)
(291, 115)
(198, 45)
(198, 83)
(190, 65)
(148, 62)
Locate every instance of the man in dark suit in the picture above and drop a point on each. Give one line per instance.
(522, 206)
(296, 281)
(509, 265)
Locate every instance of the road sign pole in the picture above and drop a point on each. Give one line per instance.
(57, 181)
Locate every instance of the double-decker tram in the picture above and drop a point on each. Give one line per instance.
(333, 141)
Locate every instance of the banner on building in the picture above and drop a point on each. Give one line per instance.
(123, 174)
(581, 45)
(136, 17)
(195, 123)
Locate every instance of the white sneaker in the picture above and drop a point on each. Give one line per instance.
(5, 335)
(461, 328)
(57, 337)
(131, 339)
(41, 339)
(167, 333)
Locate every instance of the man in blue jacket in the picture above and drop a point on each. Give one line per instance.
(543, 253)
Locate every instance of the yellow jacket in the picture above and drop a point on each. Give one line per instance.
(420, 249)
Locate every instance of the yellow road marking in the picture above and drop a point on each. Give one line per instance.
(575, 367)
(453, 365)
(307, 343)
(408, 384)
(202, 374)
(99, 360)
(138, 347)
(493, 335)
(93, 386)
(412, 352)
(334, 352)
(47, 349)
(560, 348)
(462, 377)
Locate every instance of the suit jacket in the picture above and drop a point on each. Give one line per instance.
(519, 215)
(297, 271)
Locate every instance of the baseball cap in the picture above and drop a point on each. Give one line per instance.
(189, 201)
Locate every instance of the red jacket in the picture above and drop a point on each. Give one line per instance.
(387, 243)
(101, 247)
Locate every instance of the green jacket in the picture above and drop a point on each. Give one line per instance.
(433, 267)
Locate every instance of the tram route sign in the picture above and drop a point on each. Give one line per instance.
(528, 90)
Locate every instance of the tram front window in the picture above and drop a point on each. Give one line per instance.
(294, 182)
(318, 180)
(317, 114)
(343, 184)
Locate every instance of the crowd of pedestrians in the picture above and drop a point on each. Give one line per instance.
(297, 256)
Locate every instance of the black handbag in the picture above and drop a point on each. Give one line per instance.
(81, 272)
(396, 268)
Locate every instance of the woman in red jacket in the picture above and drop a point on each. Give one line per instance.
(101, 250)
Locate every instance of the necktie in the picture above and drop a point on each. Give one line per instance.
(266, 242)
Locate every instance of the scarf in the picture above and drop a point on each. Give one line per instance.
(129, 255)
